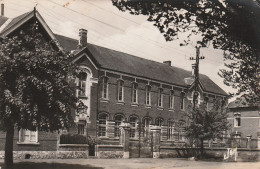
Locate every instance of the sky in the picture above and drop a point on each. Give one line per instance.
(121, 31)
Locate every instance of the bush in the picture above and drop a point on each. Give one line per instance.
(73, 139)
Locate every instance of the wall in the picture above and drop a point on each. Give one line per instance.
(250, 119)
(47, 142)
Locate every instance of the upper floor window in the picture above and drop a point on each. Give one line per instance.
(118, 120)
(206, 101)
(133, 120)
(237, 120)
(148, 95)
(102, 124)
(134, 93)
(120, 90)
(160, 97)
(81, 129)
(171, 99)
(182, 100)
(82, 83)
(105, 88)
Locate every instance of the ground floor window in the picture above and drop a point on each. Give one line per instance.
(28, 136)
(147, 122)
(102, 124)
(170, 130)
(118, 120)
(133, 126)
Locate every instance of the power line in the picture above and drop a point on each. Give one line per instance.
(120, 42)
(121, 30)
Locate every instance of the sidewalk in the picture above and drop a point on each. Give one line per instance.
(149, 163)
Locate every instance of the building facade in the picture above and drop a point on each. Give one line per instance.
(116, 88)
(245, 121)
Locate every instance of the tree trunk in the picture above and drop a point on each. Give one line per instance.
(9, 148)
(201, 147)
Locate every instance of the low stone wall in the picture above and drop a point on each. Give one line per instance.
(110, 151)
(64, 152)
(243, 153)
(46, 154)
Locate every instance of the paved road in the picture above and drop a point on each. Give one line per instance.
(148, 163)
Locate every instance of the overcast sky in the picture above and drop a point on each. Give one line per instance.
(111, 28)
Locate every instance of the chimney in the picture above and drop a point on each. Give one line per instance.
(2, 9)
(83, 38)
(168, 62)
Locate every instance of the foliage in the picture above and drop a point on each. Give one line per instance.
(35, 92)
(206, 125)
(228, 25)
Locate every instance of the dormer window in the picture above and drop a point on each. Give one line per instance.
(82, 83)
(160, 97)
(120, 90)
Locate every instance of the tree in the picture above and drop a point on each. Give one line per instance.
(35, 91)
(206, 125)
(227, 25)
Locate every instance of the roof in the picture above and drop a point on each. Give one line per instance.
(126, 63)
(3, 20)
(241, 103)
(137, 66)
(13, 21)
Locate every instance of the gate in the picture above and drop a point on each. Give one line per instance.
(92, 149)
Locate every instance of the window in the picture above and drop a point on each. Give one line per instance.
(182, 101)
(28, 136)
(181, 130)
(133, 120)
(82, 83)
(105, 88)
(195, 98)
(160, 97)
(118, 120)
(158, 122)
(81, 129)
(147, 122)
(148, 95)
(170, 130)
(237, 120)
(134, 93)
(206, 101)
(102, 124)
(171, 99)
(120, 90)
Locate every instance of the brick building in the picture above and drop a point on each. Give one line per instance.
(116, 88)
(245, 120)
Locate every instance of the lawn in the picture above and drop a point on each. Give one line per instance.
(32, 165)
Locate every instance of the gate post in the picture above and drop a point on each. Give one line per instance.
(156, 135)
(124, 138)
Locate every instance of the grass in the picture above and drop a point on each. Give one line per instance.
(32, 165)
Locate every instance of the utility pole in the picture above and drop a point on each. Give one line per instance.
(196, 75)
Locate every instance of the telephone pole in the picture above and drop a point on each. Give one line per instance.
(196, 75)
